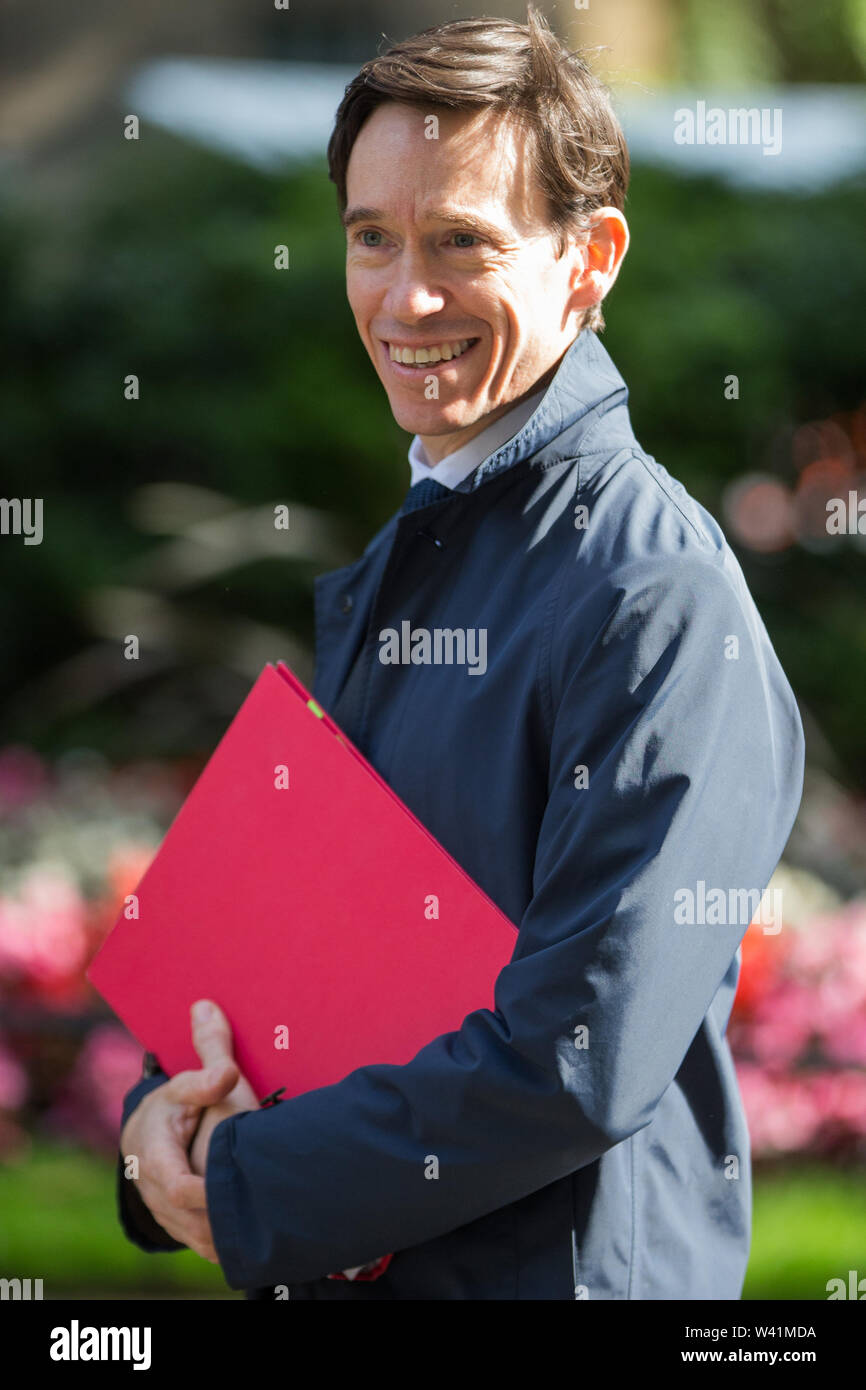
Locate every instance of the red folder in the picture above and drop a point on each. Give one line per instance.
(299, 892)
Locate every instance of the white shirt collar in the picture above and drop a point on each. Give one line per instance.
(453, 468)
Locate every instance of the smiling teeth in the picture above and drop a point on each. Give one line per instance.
(440, 352)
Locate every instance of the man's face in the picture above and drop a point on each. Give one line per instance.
(448, 242)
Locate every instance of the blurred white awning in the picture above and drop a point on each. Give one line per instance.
(262, 112)
(269, 113)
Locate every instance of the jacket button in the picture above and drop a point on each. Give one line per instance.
(347, 603)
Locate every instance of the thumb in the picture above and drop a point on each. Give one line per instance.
(211, 1033)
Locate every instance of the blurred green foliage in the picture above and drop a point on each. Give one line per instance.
(808, 1226)
(769, 288)
(254, 384)
(59, 1224)
(747, 41)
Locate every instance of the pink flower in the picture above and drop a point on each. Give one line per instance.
(834, 943)
(43, 933)
(23, 777)
(91, 1102)
(820, 1110)
(781, 1111)
(815, 1005)
(13, 1081)
(844, 1039)
(840, 1096)
(782, 1024)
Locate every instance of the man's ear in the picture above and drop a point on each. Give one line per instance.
(603, 248)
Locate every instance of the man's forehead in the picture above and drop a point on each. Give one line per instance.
(413, 120)
(476, 161)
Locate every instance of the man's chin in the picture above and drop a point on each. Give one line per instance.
(432, 417)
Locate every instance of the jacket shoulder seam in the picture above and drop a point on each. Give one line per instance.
(545, 664)
(642, 460)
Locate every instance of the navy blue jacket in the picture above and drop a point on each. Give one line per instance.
(621, 779)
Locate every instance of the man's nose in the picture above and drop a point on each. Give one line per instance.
(413, 291)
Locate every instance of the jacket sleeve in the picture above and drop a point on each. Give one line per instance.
(138, 1224)
(666, 689)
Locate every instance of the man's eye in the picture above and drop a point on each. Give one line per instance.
(468, 238)
(369, 232)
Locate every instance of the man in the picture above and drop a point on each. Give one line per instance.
(628, 748)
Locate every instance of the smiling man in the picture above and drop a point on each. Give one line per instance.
(630, 739)
(462, 294)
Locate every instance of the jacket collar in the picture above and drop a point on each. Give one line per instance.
(454, 467)
(585, 390)
(585, 387)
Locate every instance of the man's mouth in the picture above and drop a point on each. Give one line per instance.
(430, 355)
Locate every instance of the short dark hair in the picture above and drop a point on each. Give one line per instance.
(577, 147)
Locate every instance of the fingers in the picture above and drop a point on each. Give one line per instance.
(211, 1033)
(203, 1088)
(187, 1192)
(176, 1197)
(178, 1201)
(189, 1228)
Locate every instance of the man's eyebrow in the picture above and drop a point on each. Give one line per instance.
(469, 220)
(353, 215)
(473, 221)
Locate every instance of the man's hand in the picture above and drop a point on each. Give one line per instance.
(212, 1039)
(160, 1129)
(158, 1133)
